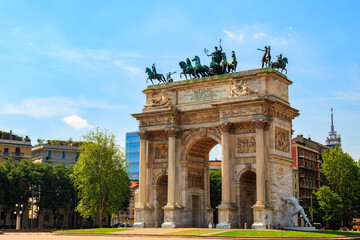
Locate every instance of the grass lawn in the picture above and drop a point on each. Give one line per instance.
(194, 232)
(275, 233)
(94, 230)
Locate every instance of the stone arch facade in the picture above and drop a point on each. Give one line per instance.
(254, 131)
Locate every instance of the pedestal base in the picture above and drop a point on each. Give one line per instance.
(227, 216)
(144, 217)
(305, 229)
(172, 216)
(259, 217)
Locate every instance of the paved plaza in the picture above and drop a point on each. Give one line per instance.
(143, 234)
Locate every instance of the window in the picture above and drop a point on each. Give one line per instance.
(49, 153)
(77, 155)
(6, 151)
(17, 160)
(63, 155)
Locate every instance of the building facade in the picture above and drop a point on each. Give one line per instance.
(133, 154)
(14, 146)
(307, 162)
(56, 152)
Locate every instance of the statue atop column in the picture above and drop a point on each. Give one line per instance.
(297, 209)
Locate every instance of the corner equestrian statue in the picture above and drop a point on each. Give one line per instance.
(266, 57)
(154, 75)
(297, 209)
(280, 63)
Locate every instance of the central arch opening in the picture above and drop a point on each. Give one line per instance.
(201, 193)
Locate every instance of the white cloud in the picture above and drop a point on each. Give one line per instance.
(233, 36)
(53, 106)
(128, 68)
(76, 122)
(95, 58)
(259, 35)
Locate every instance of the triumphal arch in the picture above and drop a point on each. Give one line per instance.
(248, 113)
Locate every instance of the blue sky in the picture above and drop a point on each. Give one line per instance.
(67, 66)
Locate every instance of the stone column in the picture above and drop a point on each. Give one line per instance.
(171, 207)
(227, 210)
(259, 207)
(142, 168)
(141, 205)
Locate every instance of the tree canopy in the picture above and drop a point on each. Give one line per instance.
(100, 176)
(339, 196)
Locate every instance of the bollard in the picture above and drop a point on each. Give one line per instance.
(269, 225)
(210, 225)
(229, 225)
(245, 225)
(156, 225)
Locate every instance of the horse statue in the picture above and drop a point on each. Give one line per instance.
(233, 63)
(280, 63)
(223, 63)
(203, 70)
(158, 76)
(186, 70)
(266, 59)
(214, 66)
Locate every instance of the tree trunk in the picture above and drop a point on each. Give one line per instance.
(4, 223)
(101, 213)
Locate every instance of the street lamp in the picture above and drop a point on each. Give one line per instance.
(18, 211)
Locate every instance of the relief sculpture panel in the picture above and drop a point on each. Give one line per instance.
(161, 151)
(246, 145)
(282, 140)
(196, 179)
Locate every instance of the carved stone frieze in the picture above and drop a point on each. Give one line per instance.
(158, 165)
(159, 136)
(260, 123)
(194, 117)
(163, 99)
(161, 151)
(172, 132)
(186, 134)
(246, 127)
(143, 135)
(195, 179)
(158, 121)
(244, 111)
(226, 127)
(282, 140)
(239, 89)
(283, 113)
(246, 145)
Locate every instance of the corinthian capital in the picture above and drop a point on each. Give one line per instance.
(172, 132)
(260, 123)
(143, 135)
(226, 127)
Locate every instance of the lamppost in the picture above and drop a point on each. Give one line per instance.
(18, 211)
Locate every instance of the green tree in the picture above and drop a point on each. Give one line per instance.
(100, 176)
(342, 177)
(330, 204)
(215, 191)
(20, 176)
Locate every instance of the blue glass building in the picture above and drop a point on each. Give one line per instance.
(133, 154)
